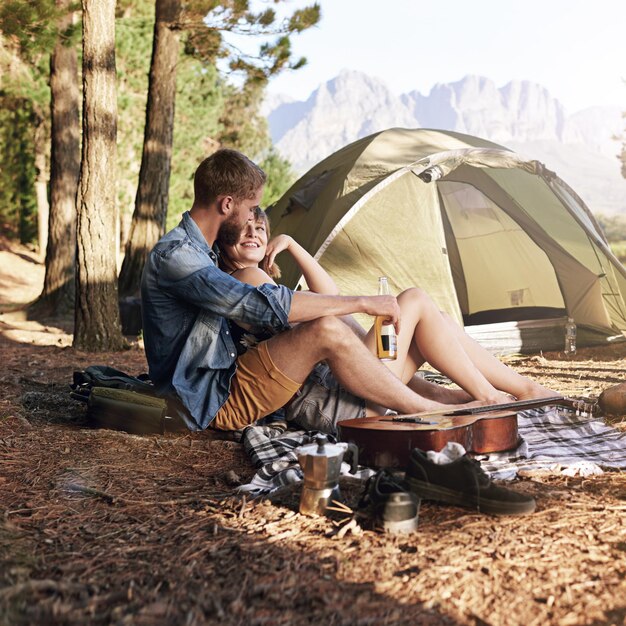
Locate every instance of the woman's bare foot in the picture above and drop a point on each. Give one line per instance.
(445, 395)
(496, 397)
(454, 396)
(536, 391)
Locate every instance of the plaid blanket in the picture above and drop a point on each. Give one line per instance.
(559, 439)
(551, 438)
(272, 450)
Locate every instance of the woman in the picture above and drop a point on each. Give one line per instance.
(255, 251)
(251, 261)
(426, 335)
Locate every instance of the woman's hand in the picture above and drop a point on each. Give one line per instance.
(278, 244)
(316, 277)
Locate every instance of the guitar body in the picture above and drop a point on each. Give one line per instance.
(383, 442)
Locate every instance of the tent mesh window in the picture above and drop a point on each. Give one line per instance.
(504, 273)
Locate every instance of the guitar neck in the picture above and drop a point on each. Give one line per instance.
(517, 404)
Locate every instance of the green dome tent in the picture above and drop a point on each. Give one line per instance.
(495, 239)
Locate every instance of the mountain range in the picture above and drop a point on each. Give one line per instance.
(581, 148)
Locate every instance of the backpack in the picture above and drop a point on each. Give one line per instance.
(120, 401)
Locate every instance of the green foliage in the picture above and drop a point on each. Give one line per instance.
(614, 227)
(239, 124)
(210, 112)
(31, 24)
(242, 127)
(18, 206)
(133, 49)
(199, 103)
(24, 111)
(280, 177)
(205, 22)
(619, 250)
(28, 31)
(305, 18)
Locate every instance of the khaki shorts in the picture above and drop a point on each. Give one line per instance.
(258, 388)
(321, 402)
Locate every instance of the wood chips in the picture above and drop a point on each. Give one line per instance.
(101, 527)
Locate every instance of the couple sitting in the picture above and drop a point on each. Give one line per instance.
(234, 346)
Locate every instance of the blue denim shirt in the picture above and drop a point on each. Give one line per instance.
(185, 300)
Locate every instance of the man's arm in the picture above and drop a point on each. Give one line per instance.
(307, 306)
(191, 279)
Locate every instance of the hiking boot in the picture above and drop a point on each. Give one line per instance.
(396, 506)
(463, 483)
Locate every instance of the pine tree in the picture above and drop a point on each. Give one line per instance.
(96, 320)
(153, 189)
(57, 296)
(42, 32)
(204, 40)
(27, 35)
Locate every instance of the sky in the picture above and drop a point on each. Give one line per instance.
(574, 48)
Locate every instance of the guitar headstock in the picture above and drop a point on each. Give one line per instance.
(584, 407)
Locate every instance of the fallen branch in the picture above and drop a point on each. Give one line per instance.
(91, 492)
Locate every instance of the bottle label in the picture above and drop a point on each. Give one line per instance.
(386, 341)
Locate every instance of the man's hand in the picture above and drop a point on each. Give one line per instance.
(384, 306)
(275, 246)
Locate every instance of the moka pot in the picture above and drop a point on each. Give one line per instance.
(321, 464)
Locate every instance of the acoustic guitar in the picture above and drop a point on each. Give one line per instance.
(387, 440)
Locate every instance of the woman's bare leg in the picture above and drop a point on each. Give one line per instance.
(498, 374)
(414, 360)
(424, 327)
(428, 335)
(422, 387)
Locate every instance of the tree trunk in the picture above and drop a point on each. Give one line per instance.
(57, 296)
(150, 213)
(96, 320)
(41, 185)
(43, 211)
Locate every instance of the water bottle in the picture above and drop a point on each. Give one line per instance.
(570, 336)
(386, 340)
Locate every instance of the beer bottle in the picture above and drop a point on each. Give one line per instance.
(386, 340)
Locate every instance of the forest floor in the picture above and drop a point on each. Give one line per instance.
(103, 527)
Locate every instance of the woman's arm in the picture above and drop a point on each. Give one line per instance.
(315, 275)
(254, 276)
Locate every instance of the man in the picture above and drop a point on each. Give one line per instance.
(187, 302)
